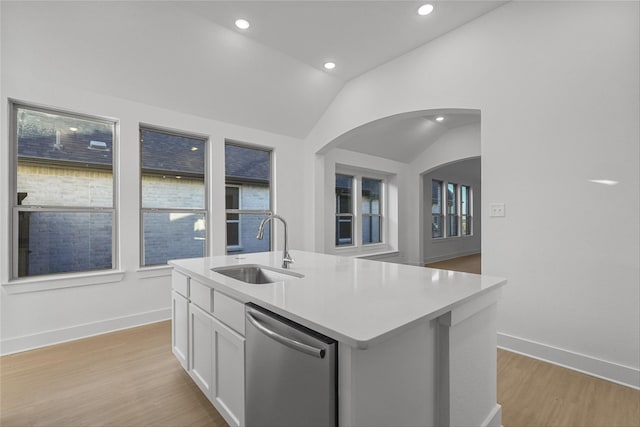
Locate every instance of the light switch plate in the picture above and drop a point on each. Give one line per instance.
(497, 210)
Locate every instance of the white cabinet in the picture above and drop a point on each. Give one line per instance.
(180, 328)
(207, 339)
(201, 348)
(228, 373)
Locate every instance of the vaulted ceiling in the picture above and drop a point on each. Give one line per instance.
(357, 35)
(189, 57)
(404, 136)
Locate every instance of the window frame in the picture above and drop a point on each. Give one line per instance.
(440, 213)
(16, 208)
(371, 215)
(241, 211)
(466, 218)
(453, 217)
(350, 215)
(445, 215)
(237, 247)
(142, 210)
(357, 221)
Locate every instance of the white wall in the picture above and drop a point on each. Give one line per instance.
(95, 304)
(464, 172)
(557, 84)
(168, 55)
(457, 144)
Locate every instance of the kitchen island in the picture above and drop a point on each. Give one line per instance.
(417, 346)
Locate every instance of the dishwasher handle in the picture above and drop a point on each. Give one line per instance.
(289, 342)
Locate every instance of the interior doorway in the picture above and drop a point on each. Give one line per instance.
(452, 228)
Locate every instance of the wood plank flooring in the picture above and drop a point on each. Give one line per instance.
(130, 378)
(125, 378)
(536, 393)
(468, 264)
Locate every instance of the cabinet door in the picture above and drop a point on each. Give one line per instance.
(228, 373)
(180, 328)
(200, 348)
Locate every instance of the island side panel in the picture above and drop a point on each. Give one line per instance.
(468, 365)
(390, 383)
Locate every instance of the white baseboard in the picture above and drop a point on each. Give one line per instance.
(494, 419)
(439, 258)
(599, 368)
(43, 339)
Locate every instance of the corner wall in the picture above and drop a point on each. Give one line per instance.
(464, 172)
(87, 305)
(557, 84)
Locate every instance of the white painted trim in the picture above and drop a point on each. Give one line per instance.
(61, 281)
(610, 371)
(451, 256)
(494, 419)
(379, 255)
(43, 339)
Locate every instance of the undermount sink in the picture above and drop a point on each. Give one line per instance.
(256, 274)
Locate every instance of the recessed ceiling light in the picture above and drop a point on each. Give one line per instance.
(439, 119)
(194, 148)
(73, 129)
(329, 65)
(243, 24)
(425, 9)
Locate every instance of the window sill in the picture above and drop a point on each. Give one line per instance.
(366, 250)
(39, 284)
(154, 271)
(448, 239)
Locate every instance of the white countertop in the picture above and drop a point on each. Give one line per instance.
(356, 301)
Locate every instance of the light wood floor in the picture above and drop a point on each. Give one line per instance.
(125, 378)
(130, 378)
(468, 264)
(536, 393)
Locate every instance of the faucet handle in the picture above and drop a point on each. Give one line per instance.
(286, 260)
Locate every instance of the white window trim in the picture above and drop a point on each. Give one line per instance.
(469, 208)
(358, 248)
(203, 211)
(237, 247)
(265, 212)
(62, 281)
(444, 215)
(17, 285)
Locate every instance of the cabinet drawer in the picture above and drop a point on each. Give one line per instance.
(180, 283)
(229, 311)
(201, 295)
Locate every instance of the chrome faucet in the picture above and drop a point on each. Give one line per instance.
(286, 258)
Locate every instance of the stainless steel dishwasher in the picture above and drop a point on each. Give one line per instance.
(290, 373)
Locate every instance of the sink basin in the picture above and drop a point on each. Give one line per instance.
(256, 274)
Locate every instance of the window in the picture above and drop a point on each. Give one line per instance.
(63, 205)
(437, 229)
(359, 210)
(465, 210)
(371, 213)
(344, 210)
(458, 212)
(173, 196)
(452, 209)
(247, 197)
(232, 203)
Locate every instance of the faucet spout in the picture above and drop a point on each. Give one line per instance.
(286, 258)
